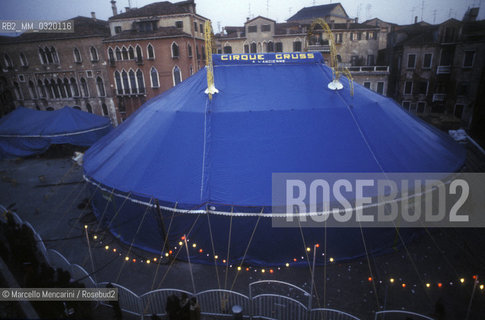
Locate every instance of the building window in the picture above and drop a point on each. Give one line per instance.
(21, 77)
(105, 109)
(408, 87)
(154, 77)
(42, 56)
(370, 60)
(49, 90)
(84, 87)
(117, 29)
(202, 48)
(195, 26)
(468, 59)
(279, 47)
(462, 88)
(94, 54)
(118, 53)
(119, 85)
(55, 89)
(338, 38)
(179, 24)
(406, 105)
(197, 51)
(380, 87)
(297, 46)
(55, 57)
(132, 81)
(359, 35)
(111, 55)
(253, 47)
(41, 88)
(246, 48)
(150, 52)
(367, 84)
(411, 61)
(131, 53)
(140, 81)
(17, 91)
(175, 50)
(124, 53)
(421, 107)
(100, 86)
(139, 54)
(77, 55)
(421, 87)
(227, 49)
(352, 38)
(427, 60)
(458, 112)
(89, 108)
(32, 91)
(252, 29)
(189, 48)
(177, 75)
(266, 28)
(354, 60)
(7, 61)
(48, 55)
(126, 84)
(74, 87)
(270, 46)
(201, 28)
(23, 60)
(60, 85)
(191, 70)
(67, 87)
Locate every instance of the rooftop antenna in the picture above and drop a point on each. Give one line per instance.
(434, 16)
(450, 12)
(218, 26)
(129, 3)
(412, 14)
(359, 7)
(367, 11)
(422, 10)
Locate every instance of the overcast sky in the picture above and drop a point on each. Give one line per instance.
(234, 12)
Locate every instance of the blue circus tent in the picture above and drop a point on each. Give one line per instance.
(25, 132)
(184, 164)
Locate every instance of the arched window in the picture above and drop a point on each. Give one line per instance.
(154, 77)
(270, 46)
(74, 88)
(89, 108)
(7, 60)
(67, 87)
(23, 60)
(55, 58)
(41, 88)
(124, 53)
(49, 90)
(55, 89)
(84, 87)
(246, 48)
(297, 46)
(48, 55)
(253, 47)
(197, 51)
(32, 91)
(150, 52)
(139, 55)
(60, 85)
(42, 56)
(191, 69)
(189, 50)
(177, 75)
(119, 86)
(175, 50)
(105, 109)
(94, 54)
(260, 47)
(111, 55)
(77, 55)
(131, 53)
(140, 81)
(17, 91)
(100, 86)
(126, 84)
(132, 76)
(227, 48)
(118, 53)
(203, 52)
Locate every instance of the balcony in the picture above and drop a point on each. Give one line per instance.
(374, 69)
(325, 48)
(443, 70)
(439, 97)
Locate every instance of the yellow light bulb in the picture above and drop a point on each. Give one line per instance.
(166, 254)
(287, 264)
(114, 249)
(127, 258)
(216, 257)
(194, 245)
(180, 243)
(148, 261)
(106, 247)
(263, 271)
(154, 259)
(428, 285)
(481, 287)
(331, 259)
(462, 280)
(238, 268)
(85, 226)
(308, 249)
(391, 280)
(95, 237)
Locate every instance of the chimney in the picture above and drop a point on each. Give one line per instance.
(127, 9)
(415, 19)
(356, 20)
(93, 15)
(113, 7)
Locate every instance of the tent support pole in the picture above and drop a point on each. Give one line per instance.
(162, 227)
(313, 278)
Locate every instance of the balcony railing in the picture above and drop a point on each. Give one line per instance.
(439, 97)
(319, 47)
(443, 70)
(380, 69)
